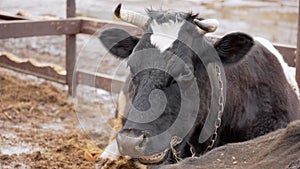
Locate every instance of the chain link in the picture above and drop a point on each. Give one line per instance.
(220, 111)
(175, 140)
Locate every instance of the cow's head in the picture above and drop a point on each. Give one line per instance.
(166, 65)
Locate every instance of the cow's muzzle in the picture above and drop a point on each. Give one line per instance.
(132, 143)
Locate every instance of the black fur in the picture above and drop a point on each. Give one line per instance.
(118, 42)
(232, 53)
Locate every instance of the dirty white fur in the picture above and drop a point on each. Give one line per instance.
(111, 151)
(164, 34)
(290, 72)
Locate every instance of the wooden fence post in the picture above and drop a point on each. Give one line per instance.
(70, 47)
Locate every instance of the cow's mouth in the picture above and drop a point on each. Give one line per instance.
(153, 159)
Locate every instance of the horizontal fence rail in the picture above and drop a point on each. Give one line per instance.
(99, 80)
(57, 74)
(49, 72)
(73, 26)
(91, 26)
(25, 28)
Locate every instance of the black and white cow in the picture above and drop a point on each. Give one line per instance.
(171, 58)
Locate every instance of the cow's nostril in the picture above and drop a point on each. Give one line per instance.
(143, 142)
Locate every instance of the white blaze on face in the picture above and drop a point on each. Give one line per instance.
(290, 72)
(165, 34)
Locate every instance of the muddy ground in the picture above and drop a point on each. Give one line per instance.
(40, 129)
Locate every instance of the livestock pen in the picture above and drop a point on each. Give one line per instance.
(18, 26)
(83, 149)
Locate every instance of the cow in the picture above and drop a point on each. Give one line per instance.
(186, 94)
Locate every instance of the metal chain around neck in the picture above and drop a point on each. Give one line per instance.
(175, 140)
(220, 111)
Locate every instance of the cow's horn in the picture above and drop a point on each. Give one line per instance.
(130, 16)
(207, 25)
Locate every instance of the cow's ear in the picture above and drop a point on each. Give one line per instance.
(119, 42)
(234, 46)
